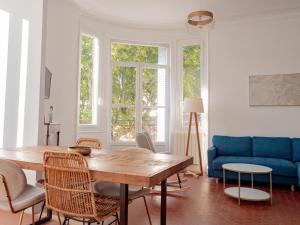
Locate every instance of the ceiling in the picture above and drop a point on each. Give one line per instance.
(172, 13)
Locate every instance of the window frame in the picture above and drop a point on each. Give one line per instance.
(96, 85)
(139, 91)
(180, 45)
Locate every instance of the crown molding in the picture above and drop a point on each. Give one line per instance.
(258, 17)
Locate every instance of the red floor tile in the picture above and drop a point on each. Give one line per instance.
(206, 204)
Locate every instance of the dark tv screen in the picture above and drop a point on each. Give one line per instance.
(48, 77)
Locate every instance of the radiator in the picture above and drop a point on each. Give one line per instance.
(179, 142)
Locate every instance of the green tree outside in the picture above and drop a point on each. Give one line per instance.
(124, 85)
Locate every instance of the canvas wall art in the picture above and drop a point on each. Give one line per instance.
(274, 90)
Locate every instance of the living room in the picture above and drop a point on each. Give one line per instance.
(109, 71)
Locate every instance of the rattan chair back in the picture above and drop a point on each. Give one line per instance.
(68, 185)
(89, 142)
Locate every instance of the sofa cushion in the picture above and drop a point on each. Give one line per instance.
(271, 147)
(232, 146)
(281, 167)
(296, 149)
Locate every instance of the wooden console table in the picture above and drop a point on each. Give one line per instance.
(56, 127)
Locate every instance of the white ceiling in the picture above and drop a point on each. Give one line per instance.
(172, 13)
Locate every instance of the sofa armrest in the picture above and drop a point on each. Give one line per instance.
(211, 154)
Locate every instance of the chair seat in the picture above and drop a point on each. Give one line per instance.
(32, 195)
(106, 206)
(281, 167)
(113, 190)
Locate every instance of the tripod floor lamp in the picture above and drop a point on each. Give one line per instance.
(194, 106)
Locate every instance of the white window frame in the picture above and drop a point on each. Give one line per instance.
(97, 63)
(180, 45)
(139, 85)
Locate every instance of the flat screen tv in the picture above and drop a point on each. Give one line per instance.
(48, 77)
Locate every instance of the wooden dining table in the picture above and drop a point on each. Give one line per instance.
(124, 167)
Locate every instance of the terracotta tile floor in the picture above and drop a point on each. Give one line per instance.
(205, 204)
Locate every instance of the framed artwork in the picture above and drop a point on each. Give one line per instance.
(274, 90)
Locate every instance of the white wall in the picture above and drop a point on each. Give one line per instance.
(64, 25)
(25, 123)
(238, 50)
(62, 61)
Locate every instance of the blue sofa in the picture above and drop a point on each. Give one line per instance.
(280, 153)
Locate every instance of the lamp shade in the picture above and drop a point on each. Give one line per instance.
(193, 105)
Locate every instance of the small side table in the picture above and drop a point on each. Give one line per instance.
(245, 193)
(52, 128)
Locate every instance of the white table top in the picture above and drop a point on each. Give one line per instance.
(247, 168)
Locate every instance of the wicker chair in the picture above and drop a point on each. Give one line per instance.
(89, 142)
(15, 194)
(69, 190)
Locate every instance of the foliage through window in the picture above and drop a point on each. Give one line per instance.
(191, 64)
(191, 72)
(138, 91)
(88, 80)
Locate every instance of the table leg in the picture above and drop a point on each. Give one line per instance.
(45, 219)
(163, 204)
(252, 180)
(124, 204)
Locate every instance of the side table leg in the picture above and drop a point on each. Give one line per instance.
(224, 179)
(251, 180)
(239, 179)
(271, 189)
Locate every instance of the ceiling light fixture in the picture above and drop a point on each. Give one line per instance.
(200, 18)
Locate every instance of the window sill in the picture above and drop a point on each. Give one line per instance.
(88, 128)
(134, 144)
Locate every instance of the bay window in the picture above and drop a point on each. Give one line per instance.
(139, 91)
(88, 82)
(191, 74)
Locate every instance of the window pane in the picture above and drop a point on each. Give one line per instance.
(153, 121)
(154, 87)
(123, 124)
(123, 85)
(87, 80)
(138, 53)
(191, 71)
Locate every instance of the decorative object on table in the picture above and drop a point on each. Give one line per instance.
(143, 140)
(246, 193)
(83, 150)
(194, 106)
(274, 90)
